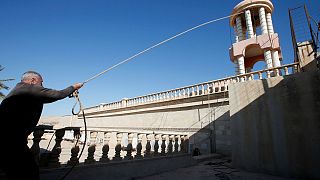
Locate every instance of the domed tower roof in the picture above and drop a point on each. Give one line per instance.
(249, 4)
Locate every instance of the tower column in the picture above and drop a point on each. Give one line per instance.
(263, 21)
(236, 34)
(268, 58)
(275, 53)
(239, 29)
(241, 68)
(249, 24)
(236, 65)
(270, 24)
(276, 59)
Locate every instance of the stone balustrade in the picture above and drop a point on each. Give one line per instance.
(210, 87)
(105, 146)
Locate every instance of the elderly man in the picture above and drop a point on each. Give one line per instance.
(20, 112)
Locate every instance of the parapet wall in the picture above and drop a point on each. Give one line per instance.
(204, 119)
(275, 125)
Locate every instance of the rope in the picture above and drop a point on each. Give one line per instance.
(158, 44)
(76, 95)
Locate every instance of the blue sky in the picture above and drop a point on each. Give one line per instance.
(70, 41)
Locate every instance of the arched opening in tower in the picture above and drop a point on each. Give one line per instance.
(253, 54)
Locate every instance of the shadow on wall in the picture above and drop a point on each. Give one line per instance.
(215, 137)
(275, 125)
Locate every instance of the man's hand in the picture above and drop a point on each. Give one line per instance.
(77, 86)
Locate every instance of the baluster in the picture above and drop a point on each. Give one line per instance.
(139, 147)
(277, 72)
(202, 89)
(35, 148)
(198, 90)
(182, 145)
(105, 148)
(156, 145)
(243, 77)
(286, 71)
(295, 68)
(193, 93)
(170, 145)
(219, 86)
(148, 147)
(214, 87)
(163, 145)
(129, 147)
(260, 75)
(92, 148)
(188, 92)
(176, 144)
(223, 88)
(268, 74)
(118, 148)
(75, 149)
(55, 153)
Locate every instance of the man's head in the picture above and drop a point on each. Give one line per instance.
(32, 77)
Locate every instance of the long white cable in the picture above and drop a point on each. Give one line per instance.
(156, 45)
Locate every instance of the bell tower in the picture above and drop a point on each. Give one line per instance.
(255, 39)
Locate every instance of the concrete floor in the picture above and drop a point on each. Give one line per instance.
(214, 169)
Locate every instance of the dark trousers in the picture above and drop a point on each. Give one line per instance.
(17, 161)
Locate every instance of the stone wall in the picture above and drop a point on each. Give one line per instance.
(275, 125)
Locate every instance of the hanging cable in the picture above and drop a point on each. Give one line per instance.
(158, 44)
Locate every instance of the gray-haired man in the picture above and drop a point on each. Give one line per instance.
(20, 112)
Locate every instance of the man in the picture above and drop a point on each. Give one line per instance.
(20, 112)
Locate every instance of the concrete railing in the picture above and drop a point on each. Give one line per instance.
(201, 89)
(127, 145)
